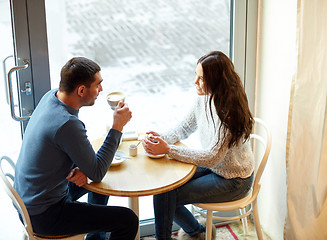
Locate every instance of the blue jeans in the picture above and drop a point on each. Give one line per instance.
(95, 217)
(204, 187)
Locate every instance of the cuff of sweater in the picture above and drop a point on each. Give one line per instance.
(173, 150)
(115, 133)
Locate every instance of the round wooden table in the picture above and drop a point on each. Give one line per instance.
(141, 175)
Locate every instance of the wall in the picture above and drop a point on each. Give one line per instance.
(276, 61)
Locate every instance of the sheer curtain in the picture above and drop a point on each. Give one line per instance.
(291, 95)
(306, 154)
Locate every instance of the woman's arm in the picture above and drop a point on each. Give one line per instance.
(183, 130)
(206, 158)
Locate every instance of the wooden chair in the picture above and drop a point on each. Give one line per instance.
(248, 204)
(7, 178)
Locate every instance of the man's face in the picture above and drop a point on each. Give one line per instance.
(93, 91)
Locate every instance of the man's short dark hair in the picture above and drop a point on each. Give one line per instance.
(77, 71)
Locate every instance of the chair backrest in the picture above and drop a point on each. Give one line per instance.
(261, 135)
(7, 177)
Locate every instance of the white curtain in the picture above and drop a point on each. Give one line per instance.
(306, 154)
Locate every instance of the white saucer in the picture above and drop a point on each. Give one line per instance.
(118, 158)
(155, 156)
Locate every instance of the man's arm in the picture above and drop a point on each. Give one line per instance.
(73, 141)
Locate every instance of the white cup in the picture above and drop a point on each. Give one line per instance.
(132, 149)
(113, 99)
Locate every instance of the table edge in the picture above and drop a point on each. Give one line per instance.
(140, 193)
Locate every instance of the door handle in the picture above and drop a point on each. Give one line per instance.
(11, 98)
(5, 77)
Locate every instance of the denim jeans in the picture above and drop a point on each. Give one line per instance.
(95, 217)
(204, 187)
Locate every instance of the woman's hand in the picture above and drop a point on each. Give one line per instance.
(154, 145)
(77, 176)
(153, 133)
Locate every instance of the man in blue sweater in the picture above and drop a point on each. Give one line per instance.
(56, 157)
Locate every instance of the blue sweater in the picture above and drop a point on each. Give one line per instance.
(55, 141)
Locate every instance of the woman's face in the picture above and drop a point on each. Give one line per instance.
(199, 81)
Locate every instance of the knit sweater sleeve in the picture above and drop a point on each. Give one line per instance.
(207, 157)
(182, 130)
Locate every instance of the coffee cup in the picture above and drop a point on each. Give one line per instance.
(113, 99)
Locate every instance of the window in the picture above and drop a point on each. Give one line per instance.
(146, 49)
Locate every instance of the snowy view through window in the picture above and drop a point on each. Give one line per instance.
(146, 49)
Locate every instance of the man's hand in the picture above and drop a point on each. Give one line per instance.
(122, 115)
(77, 176)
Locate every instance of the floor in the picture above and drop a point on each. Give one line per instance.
(252, 235)
(222, 233)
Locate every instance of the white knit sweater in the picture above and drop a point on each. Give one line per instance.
(237, 161)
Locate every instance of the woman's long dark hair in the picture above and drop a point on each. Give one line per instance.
(225, 90)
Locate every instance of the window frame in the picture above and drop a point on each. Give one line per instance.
(244, 47)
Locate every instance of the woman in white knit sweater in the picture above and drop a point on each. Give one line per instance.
(225, 161)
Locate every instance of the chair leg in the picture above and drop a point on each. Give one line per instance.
(192, 209)
(24, 234)
(209, 225)
(257, 221)
(244, 222)
(24, 237)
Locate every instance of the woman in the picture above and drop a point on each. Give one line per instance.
(225, 161)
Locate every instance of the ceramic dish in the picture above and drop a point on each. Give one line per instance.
(119, 158)
(155, 156)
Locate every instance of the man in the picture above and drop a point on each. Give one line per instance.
(56, 149)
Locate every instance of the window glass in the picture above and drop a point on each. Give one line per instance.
(146, 49)
(9, 128)
(10, 140)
